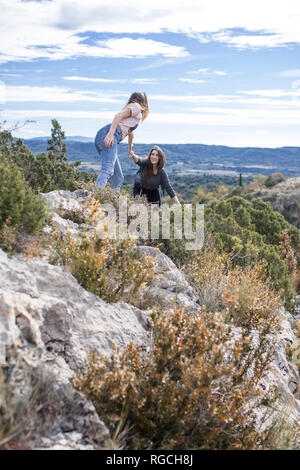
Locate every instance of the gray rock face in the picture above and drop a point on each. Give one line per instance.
(170, 286)
(284, 197)
(53, 322)
(65, 199)
(284, 374)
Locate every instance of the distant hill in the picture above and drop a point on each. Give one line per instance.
(73, 138)
(189, 158)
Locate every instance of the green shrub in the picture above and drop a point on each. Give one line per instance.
(274, 179)
(174, 248)
(45, 172)
(251, 232)
(18, 204)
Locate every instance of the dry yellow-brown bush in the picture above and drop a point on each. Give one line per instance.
(243, 294)
(113, 269)
(196, 389)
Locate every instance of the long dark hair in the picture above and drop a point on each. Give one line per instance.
(142, 100)
(161, 162)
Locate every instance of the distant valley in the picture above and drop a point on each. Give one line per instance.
(189, 158)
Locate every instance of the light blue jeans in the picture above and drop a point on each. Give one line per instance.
(111, 167)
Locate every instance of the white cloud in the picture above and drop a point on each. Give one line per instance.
(268, 98)
(162, 62)
(250, 115)
(55, 94)
(59, 113)
(177, 16)
(10, 75)
(295, 84)
(192, 80)
(263, 132)
(193, 98)
(56, 29)
(209, 116)
(206, 71)
(198, 71)
(262, 98)
(255, 41)
(128, 47)
(268, 103)
(42, 36)
(2, 93)
(140, 81)
(96, 80)
(275, 100)
(145, 81)
(294, 73)
(275, 93)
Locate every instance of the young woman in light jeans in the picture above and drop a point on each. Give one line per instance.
(108, 138)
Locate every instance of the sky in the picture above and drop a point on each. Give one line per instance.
(216, 72)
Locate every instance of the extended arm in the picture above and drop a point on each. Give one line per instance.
(138, 160)
(130, 139)
(109, 139)
(167, 186)
(175, 200)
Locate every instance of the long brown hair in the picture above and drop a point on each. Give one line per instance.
(142, 100)
(161, 162)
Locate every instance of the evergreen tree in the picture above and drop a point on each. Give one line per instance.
(44, 172)
(18, 203)
(57, 147)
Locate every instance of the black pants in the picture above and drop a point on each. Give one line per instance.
(152, 195)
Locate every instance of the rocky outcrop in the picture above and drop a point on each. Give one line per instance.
(49, 325)
(167, 288)
(73, 200)
(170, 286)
(284, 371)
(60, 201)
(284, 198)
(54, 323)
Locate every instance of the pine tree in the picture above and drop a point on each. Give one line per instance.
(45, 171)
(57, 147)
(18, 203)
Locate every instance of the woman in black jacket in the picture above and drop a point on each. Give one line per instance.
(152, 175)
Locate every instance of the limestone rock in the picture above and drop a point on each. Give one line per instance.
(54, 323)
(170, 285)
(284, 373)
(51, 324)
(73, 200)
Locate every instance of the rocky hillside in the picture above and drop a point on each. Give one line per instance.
(49, 325)
(284, 197)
